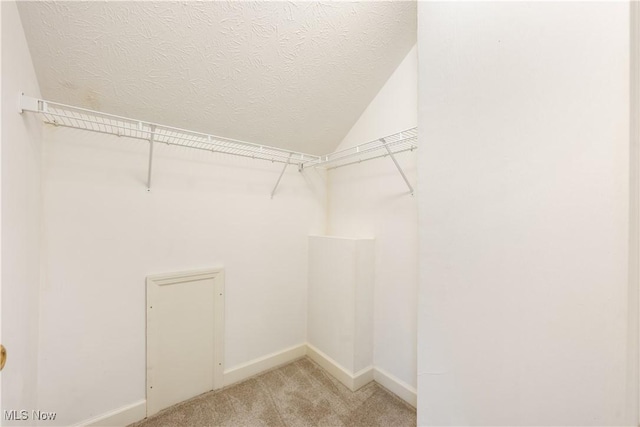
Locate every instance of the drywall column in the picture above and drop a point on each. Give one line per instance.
(340, 307)
(523, 213)
(21, 217)
(371, 199)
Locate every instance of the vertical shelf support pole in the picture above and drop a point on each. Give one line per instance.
(397, 165)
(281, 173)
(151, 140)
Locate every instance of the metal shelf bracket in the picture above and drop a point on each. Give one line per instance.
(397, 165)
(284, 168)
(27, 103)
(151, 140)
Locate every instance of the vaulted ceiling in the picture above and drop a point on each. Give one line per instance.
(296, 75)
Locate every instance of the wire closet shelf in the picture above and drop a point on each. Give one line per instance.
(381, 147)
(81, 118)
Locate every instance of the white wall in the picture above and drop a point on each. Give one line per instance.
(103, 233)
(524, 204)
(340, 300)
(371, 200)
(21, 195)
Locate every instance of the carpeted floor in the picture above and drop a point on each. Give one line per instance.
(298, 394)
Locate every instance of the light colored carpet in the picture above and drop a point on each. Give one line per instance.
(295, 395)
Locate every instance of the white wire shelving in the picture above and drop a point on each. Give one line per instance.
(80, 118)
(58, 114)
(381, 147)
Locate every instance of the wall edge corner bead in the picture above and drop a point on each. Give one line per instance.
(58, 114)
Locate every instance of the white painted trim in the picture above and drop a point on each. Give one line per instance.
(352, 381)
(633, 403)
(396, 386)
(153, 283)
(184, 276)
(218, 321)
(257, 366)
(120, 417)
(362, 378)
(330, 365)
(137, 411)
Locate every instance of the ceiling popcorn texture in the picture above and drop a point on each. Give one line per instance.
(295, 75)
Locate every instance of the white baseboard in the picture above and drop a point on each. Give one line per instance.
(398, 387)
(351, 381)
(138, 410)
(362, 378)
(120, 417)
(264, 363)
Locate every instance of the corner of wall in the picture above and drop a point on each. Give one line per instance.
(20, 217)
(365, 201)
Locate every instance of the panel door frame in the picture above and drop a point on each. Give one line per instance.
(633, 395)
(153, 284)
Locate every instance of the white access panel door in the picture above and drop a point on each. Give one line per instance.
(185, 332)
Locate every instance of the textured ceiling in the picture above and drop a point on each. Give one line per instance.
(295, 75)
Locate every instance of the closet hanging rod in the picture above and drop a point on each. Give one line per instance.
(81, 118)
